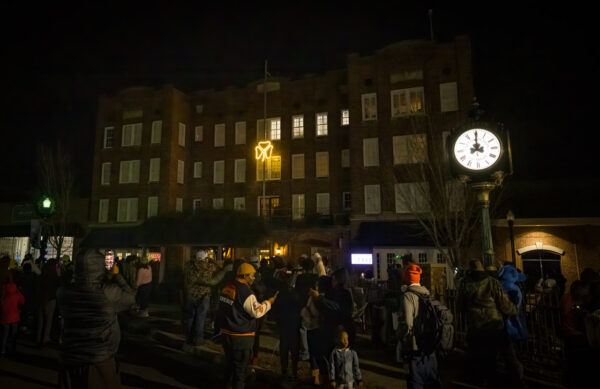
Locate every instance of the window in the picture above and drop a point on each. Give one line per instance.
(408, 101)
(409, 149)
(105, 175)
(127, 210)
(132, 135)
(240, 170)
(198, 133)
(180, 171)
(272, 168)
(152, 206)
(345, 117)
(156, 132)
(239, 203)
(197, 169)
(322, 164)
(346, 158)
(179, 205)
(323, 203)
(196, 204)
(370, 152)
(372, 200)
(297, 206)
(412, 197)
(297, 166)
(276, 129)
(240, 133)
(103, 210)
(422, 257)
(218, 172)
(219, 135)
(297, 126)
(272, 130)
(218, 203)
(322, 124)
(267, 205)
(154, 171)
(129, 172)
(369, 106)
(440, 258)
(448, 97)
(181, 138)
(109, 136)
(346, 201)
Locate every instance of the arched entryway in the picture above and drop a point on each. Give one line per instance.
(540, 260)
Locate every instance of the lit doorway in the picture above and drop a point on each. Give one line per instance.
(539, 263)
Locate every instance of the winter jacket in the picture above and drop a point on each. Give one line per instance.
(12, 299)
(516, 328)
(239, 309)
(197, 277)
(343, 366)
(89, 307)
(411, 310)
(484, 302)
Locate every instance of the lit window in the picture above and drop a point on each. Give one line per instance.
(370, 152)
(197, 169)
(129, 172)
(156, 131)
(323, 203)
(132, 134)
(322, 164)
(219, 135)
(422, 257)
(272, 168)
(298, 126)
(109, 133)
(105, 175)
(408, 149)
(409, 101)
(198, 133)
(275, 129)
(127, 210)
(322, 124)
(297, 166)
(297, 206)
(345, 117)
(272, 131)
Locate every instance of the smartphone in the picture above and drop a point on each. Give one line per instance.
(109, 259)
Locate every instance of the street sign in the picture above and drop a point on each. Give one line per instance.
(23, 213)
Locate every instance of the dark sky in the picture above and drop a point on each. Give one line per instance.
(532, 68)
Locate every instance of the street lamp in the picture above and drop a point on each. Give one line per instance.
(510, 219)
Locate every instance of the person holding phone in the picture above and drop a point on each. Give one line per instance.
(237, 316)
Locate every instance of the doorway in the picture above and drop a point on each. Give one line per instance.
(539, 263)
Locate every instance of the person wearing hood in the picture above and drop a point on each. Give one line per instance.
(10, 302)
(422, 369)
(485, 304)
(91, 333)
(516, 328)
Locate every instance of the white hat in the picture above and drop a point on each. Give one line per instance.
(201, 254)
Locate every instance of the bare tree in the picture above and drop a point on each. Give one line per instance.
(56, 181)
(445, 207)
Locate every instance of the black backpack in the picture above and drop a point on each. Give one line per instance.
(432, 328)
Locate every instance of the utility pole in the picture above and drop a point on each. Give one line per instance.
(263, 200)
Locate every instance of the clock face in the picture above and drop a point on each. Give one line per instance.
(477, 149)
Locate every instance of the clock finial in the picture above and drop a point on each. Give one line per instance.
(476, 112)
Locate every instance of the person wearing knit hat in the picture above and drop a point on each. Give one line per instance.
(237, 317)
(411, 274)
(422, 368)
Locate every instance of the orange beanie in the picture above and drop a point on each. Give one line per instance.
(411, 274)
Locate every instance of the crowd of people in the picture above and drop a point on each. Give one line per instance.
(75, 303)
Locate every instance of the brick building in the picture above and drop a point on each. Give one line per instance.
(336, 136)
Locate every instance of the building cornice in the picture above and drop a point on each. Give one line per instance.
(550, 222)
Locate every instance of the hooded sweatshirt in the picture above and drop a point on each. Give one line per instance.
(89, 306)
(12, 299)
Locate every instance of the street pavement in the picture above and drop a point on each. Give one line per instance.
(153, 355)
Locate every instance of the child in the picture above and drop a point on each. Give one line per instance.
(344, 371)
(12, 299)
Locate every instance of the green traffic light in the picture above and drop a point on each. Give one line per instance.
(47, 203)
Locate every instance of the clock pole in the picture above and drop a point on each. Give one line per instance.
(483, 190)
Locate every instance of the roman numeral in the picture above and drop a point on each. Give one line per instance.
(492, 155)
(469, 163)
(463, 157)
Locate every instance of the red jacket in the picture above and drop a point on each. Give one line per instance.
(12, 299)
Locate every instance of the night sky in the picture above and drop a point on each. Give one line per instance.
(533, 69)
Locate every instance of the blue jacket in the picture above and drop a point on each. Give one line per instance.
(516, 328)
(343, 366)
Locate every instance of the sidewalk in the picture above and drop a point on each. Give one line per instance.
(163, 327)
(378, 367)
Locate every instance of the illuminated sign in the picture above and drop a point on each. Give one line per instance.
(263, 150)
(154, 257)
(362, 259)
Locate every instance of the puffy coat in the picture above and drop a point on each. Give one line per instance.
(11, 300)
(89, 307)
